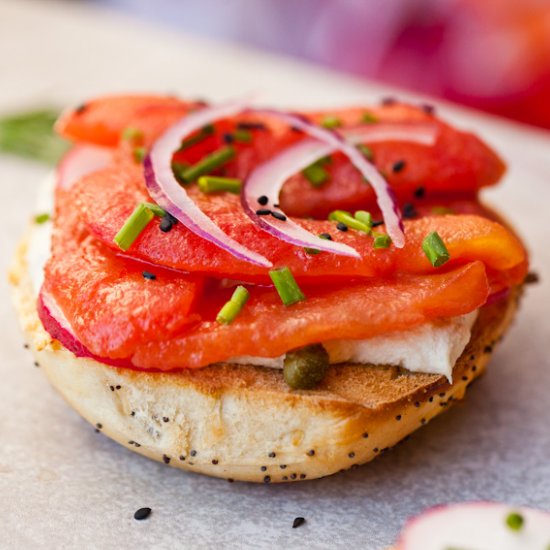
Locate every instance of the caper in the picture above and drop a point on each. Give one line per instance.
(304, 368)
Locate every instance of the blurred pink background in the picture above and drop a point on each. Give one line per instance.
(489, 54)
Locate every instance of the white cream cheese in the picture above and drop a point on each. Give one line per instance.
(430, 348)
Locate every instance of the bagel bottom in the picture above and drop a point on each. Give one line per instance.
(243, 422)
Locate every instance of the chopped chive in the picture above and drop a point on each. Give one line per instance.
(442, 210)
(203, 133)
(331, 122)
(381, 241)
(364, 217)
(368, 118)
(213, 184)
(242, 135)
(514, 521)
(132, 134)
(366, 151)
(208, 163)
(233, 307)
(133, 226)
(139, 153)
(155, 209)
(435, 249)
(41, 218)
(286, 286)
(312, 251)
(178, 168)
(346, 218)
(315, 174)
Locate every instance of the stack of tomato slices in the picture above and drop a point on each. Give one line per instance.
(154, 305)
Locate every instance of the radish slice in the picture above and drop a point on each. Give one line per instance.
(384, 194)
(476, 525)
(58, 327)
(170, 195)
(80, 161)
(268, 179)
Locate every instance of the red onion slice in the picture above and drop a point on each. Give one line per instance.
(80, 161)
(170, 195)
(384, 194)
(267, 179)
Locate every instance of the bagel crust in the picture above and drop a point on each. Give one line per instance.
(243, 422)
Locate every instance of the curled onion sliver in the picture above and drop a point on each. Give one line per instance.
(170, 195)
(384, 194)
(80, 161)
(267, 180)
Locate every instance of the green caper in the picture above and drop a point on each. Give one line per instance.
(304, 368)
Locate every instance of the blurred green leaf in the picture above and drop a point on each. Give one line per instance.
(31, 135)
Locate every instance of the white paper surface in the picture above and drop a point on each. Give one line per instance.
(64, 486)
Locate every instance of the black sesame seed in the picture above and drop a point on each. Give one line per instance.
(351, 455)
(279, 216)
(398, 417)
(26, 346)
(409, 211)
(142, 513)
(214, 461)
(99, 426)
(282, 466)
(442, 394)
(311, 452)
(532, 278)
(326, 236)
(420, 192)
(375, 449)
(117, 387)
(81, 108)
(271, 455)
(193, 453)
(263, 212)
(167, 222)
(275, 206)
(366, 435)
(133, 413)
(131, 442)
(431, 399)
(341, 226)
(182, 458)
(228, 138)
(251, 126)
(263, 468)
(285, 478)
(165, 419)
(488, 349)
(302, 476)
(230, 479)
(472, 357)
(297, 522)
(465, 378)
(36, 364)
(263, 200)
(148, 275)
(377, 223)
(112, 388)
(166, 459)
(293, 476)
(267, 479)
(398, 166)
(474, 368)
(136, 444)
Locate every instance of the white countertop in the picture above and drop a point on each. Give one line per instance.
(64, 486)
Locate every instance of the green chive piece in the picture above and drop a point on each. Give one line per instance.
(381, 241)
(346, 218)
(368, 118)
(155, 209)
(315, 174)
(139, 153)
(286, 286)
(435, 249)
(515, 521)
(213, 184)
(133, 226)
(41, 218)
(203, 133)
(242, 135)
(364, 217)
(365, 151)
(331, 122)
(178, 168)
(442, 210)
(233, 307)
(132, 134)
(208, 163)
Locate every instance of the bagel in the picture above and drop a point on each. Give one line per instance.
(243, 422)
